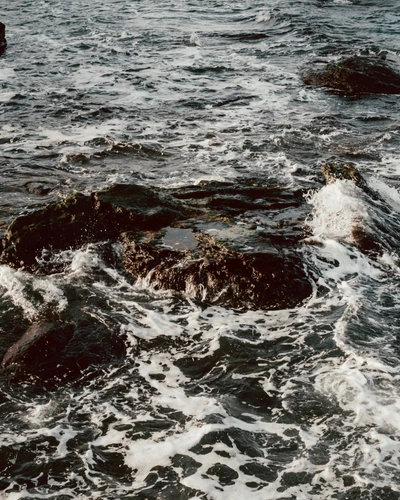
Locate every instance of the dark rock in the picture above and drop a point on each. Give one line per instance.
(78, 158)
(344, 171)
(62, 350)
(3, 41)
(356, 75)
(215, 273)
(366, 240)
(38, 348)
(137, 207)
(80, 219)
(59, 225)
(166, 239)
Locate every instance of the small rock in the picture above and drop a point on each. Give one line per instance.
(343, 171)
(38, 349)
(356, 75)
(61, 350)
(38, 188)
(3, 41)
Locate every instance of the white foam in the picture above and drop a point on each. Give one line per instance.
(84, 260)
(17, 284)
(6, 96)
(263, 17)
(390, 194)
(336, 208)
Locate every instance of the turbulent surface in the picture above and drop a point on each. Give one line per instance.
(209, 403)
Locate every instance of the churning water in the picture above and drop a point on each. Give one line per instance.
(209, 403)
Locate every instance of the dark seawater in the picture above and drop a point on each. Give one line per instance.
(210, 403)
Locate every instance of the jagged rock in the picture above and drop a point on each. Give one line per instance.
(356, 75)
(257, 267)
(62, 350)
(213, 272)
(3, 41)
(343, 171)
(80, 219)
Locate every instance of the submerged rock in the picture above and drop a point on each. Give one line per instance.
(356, 75)
(3, 41)
(39, 188)
(38, 349)
(62, 350)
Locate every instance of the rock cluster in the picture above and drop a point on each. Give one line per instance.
(238, 268)
(198, 240)
(220, 243)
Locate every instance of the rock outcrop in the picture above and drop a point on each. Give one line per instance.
(356, 75)
(230, 261)
(213, 272)
(80, 219)
(3, 41)
(345, 171)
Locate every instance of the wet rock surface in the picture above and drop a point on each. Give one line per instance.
(345, 171)
(81, 219)
(218, 243)
(216, 273)
(235, 245)
(356, 75)
(3, 41)
(62, 350)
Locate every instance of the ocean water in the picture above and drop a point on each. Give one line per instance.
(209, 403)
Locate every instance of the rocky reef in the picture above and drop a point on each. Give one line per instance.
(356, 75)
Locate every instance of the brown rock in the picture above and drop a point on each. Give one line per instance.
(215, 273)
(255, 267)
(62, 350)
(356, 75)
